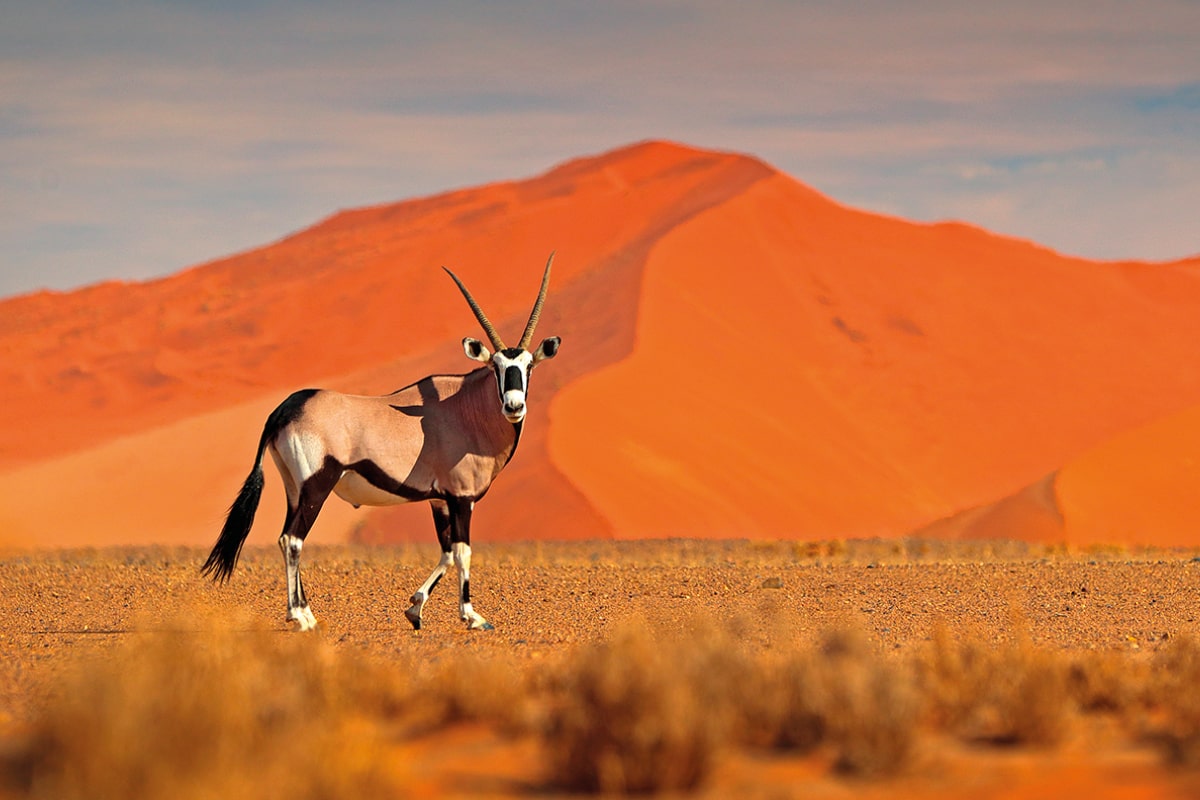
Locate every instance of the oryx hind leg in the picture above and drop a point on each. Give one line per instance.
(441, 523)
(302, 513)
(297, 602)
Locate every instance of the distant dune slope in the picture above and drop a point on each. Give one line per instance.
(741, 357)
(803, 369)
(1141, 485)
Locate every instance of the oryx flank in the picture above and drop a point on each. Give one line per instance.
(443, 439)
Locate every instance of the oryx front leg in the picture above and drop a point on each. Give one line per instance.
(441, 524)
(297, 603)
(460, 547)
(462, 558)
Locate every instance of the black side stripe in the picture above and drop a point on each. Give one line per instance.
(373, 474)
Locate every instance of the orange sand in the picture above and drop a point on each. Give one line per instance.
(741, 357)
(822, 372)
(1142, 485)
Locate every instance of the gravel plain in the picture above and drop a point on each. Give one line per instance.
(546, 599)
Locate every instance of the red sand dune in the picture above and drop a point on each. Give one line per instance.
(741, 357)
(846, 374)
(1141, 484)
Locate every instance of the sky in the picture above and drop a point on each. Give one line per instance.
(138, 138)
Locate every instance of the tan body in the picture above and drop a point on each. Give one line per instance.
(443, 436)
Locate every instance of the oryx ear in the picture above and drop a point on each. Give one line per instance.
(547, 349)
(475, 350)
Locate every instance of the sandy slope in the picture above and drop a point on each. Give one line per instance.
(1141, 484)
(741, 357)
(158, 504)
(854, 375)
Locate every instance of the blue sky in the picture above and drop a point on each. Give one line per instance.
(138, 138)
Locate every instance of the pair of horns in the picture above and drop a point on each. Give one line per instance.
(490, 329)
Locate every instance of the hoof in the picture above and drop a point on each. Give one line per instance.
(413, 615)
(481, 625)
(304, 617)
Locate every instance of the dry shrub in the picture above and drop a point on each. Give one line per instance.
(870, 705)
(1012, 693)
(632, 717)
(1172, 693)
(1105, 682)
(470, 688)
(641, 714)
(217, 715)
(844, 695)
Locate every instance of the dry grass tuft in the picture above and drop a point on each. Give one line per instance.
(870, 706)
(211, 714)
(646, 714)
(469, 688)
(1010, 694)
(629, 720)
(1171, 692)
(218, 714)
(843, 695)
(1106, 682)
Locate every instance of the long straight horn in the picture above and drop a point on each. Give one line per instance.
(488, 328)
(537, 307)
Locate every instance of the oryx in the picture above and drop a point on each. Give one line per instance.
(443, 439)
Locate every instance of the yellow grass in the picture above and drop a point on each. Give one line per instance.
(216, 714)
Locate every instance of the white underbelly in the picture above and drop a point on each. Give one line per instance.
(356, 491)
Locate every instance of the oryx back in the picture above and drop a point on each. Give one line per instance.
(442, 436)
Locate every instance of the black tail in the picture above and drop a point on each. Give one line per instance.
(225, 552)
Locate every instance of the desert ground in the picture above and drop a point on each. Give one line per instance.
(699, 668)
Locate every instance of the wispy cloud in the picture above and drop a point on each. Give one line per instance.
(139, 137)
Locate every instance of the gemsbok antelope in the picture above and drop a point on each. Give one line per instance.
(443, 439)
